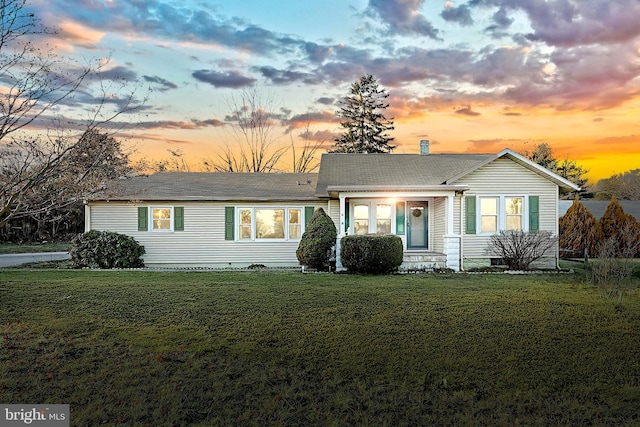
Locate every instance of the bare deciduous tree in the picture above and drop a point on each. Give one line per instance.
(36, 80)
(253, 121)
(305, 160)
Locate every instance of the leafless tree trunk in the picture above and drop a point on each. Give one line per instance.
(305, 160)
(252, 120)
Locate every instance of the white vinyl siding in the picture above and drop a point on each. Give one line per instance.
(512, 180)
(438, 223)
(202, 244)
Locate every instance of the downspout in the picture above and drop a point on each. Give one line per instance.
(341, 232)
(461, 229)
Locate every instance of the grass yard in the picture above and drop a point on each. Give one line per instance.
(283, 348)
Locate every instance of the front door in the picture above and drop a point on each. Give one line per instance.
(417, 224)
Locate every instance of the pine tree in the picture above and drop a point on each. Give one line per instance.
(579, 229)
(622, 229)
(363, 119)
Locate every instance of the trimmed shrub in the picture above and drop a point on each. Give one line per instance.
(106, 249)
(371, 253)
(317, 243)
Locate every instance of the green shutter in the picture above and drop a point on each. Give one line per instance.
(229, 222)
(534, 213)
(143, 218)
(346, 216)
(470, 205)
(400, 218)
(178, 220)
(308, 213)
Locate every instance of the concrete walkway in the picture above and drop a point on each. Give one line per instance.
(19, 259)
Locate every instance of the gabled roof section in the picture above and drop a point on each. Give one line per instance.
(391, 171)
(523, 161)
(214, 186)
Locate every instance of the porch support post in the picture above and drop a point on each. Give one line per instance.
(451, 240)
(341, 232)
(87, 217)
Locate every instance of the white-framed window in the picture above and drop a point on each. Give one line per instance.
(383, 218)
(371, 216)
(514, 216)
(161, 218)
(489, 214)
(498, 213)
(361, 218)
(269, 223)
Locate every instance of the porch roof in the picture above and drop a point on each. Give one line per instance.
(396, 172)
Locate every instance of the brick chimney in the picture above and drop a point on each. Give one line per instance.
(424, 147)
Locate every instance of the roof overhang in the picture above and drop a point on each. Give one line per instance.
(335, 190)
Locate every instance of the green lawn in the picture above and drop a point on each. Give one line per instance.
(283, 348)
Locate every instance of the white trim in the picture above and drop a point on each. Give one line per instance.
(253, 208)
(501, 213)
(171, 219)
(372, 204)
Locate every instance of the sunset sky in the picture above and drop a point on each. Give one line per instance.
(471, 76)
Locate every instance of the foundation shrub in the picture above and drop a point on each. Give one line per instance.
(371, 253)
(106, 249)
(318, 241)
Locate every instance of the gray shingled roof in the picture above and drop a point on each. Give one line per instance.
(393, 170)
(219, 186)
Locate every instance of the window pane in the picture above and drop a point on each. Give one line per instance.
(245, 216)
(294, 231)
(245, 232)
(269, 223)
(245, 224)
(513, 205)
(361, 226)
(361, 211)
(488, 206)
(161, 219)
(383, 211)
(514, 222)
(489, 224)
(294, 223)
(383, 219)
(383, 226)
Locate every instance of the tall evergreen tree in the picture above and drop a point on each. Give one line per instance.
(363, 119)
(579, 229)
(622, 228)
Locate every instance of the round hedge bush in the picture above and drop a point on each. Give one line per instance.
(106, 249)
(317, 242)
(371, 253)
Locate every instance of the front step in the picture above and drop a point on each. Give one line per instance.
(423, 261)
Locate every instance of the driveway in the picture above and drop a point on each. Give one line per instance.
(18, 259)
